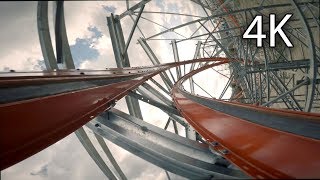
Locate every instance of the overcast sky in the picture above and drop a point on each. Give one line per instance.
(91, 49)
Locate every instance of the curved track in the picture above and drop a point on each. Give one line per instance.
(226, 126)
(263, 142)
(39, 108)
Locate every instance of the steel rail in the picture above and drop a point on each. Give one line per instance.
(121, 55)
(35, 123)
(244, 134)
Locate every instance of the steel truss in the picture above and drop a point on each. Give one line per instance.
(225, 136)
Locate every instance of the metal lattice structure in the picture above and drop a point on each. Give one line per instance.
(273, 106)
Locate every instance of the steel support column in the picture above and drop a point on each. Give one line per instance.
(110, 156)
(62, 45)
(196, 55)
(87, 144)
(176, 57)
(44, 36)
(121, 57)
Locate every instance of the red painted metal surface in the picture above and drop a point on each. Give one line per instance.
(259, 151)
(32, 125)
(29, 126)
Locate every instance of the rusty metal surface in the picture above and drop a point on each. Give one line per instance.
(260, 151)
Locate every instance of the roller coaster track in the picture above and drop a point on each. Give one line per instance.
(39, 108)
(263, 142)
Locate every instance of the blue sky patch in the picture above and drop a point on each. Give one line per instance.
(109, 9)
(82, 49)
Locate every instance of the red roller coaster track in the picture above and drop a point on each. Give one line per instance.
(33, 119)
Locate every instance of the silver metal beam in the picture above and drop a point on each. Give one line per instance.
(150, 101)
(87, 144)
(62, 45)
(277, 90)
(155, 61)
(214, 16)
(161, 26)
(110, 156)
(132, 30)
(119, 34)
(276, 66)
(156, 93)
(168, 176)
(176, 57)
(313, 62)
(122, 59)
(156, 96)
(196, 55)
(175, 127)
(171, 13)
(133, 8)
(162, 148)
(137, 26)
(267, 73)
(202, 89)
(225, 50)
(286, 89)
(236, 65)
(167, 124)
(114, 40)
(44, 36)
(227, 86)
(286, 93)
(159, 86)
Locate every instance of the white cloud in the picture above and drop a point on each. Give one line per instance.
(20, 49)
(62, 160)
